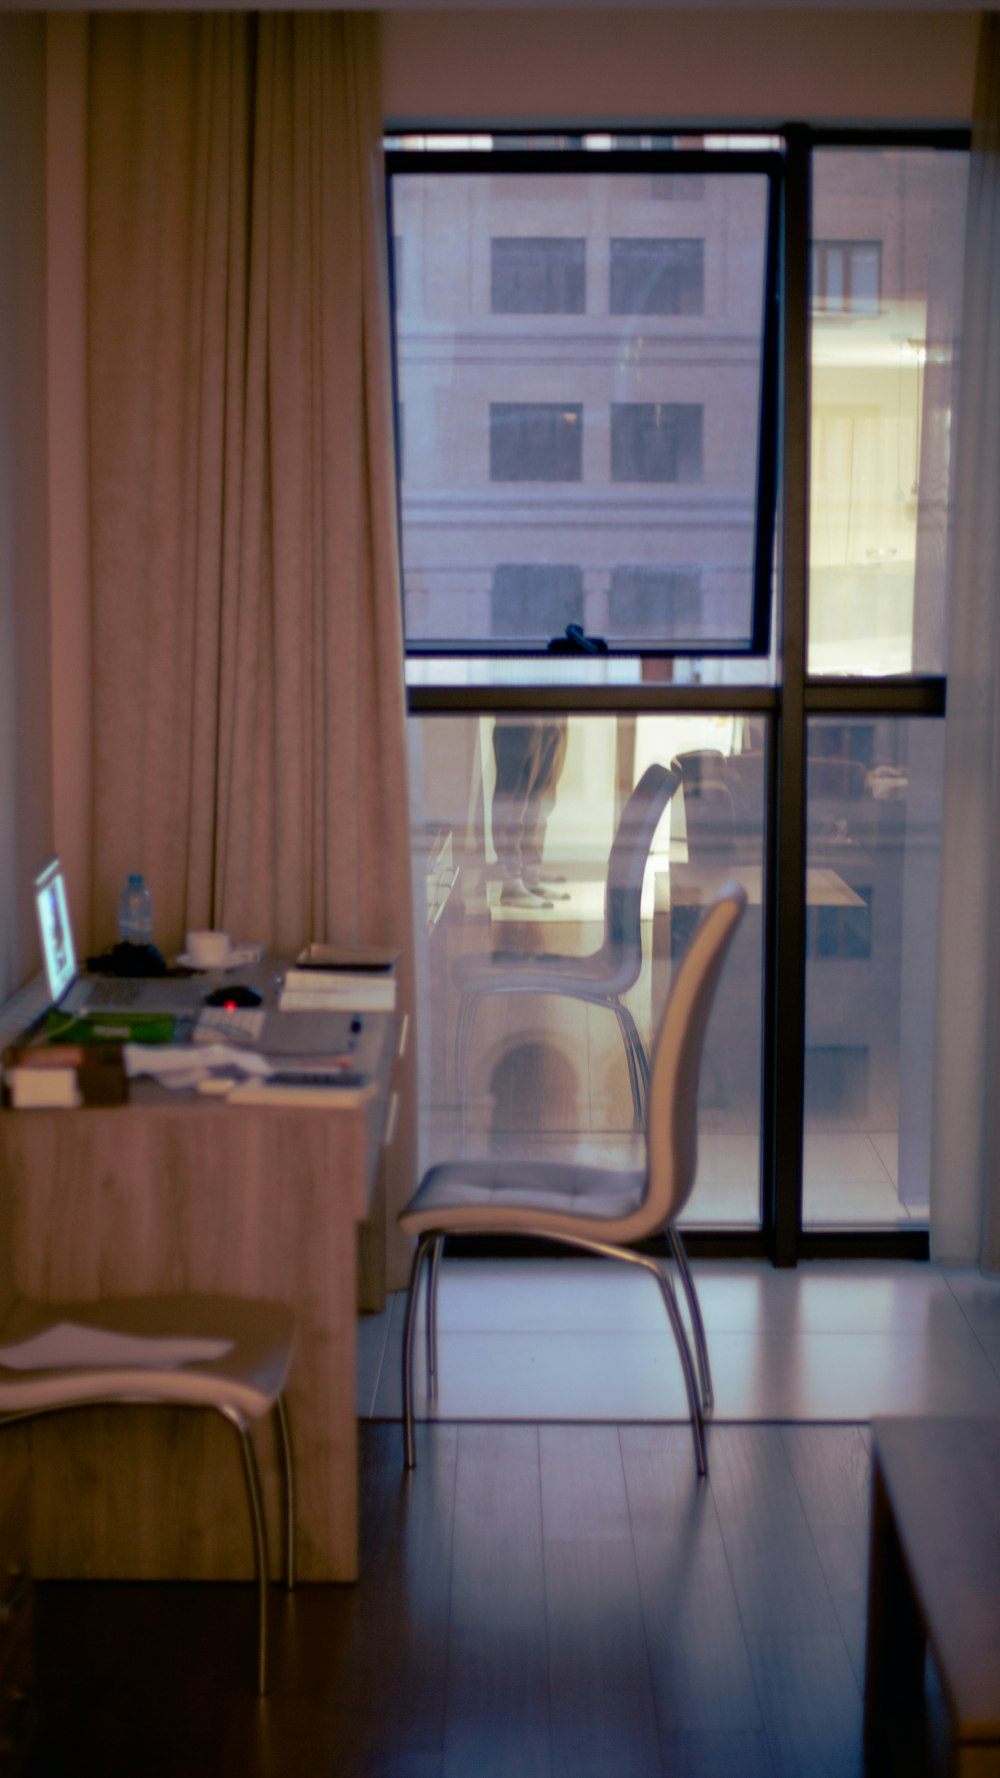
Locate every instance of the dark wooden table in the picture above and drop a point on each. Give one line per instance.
(935, 1580)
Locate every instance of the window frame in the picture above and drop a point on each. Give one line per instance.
(788, 705)
(571, 160)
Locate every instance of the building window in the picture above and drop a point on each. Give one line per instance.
(654, 441)
(535, 599)
(847, 277)
(538, 275)
(657, 277)
(655, 603)
(536, 441)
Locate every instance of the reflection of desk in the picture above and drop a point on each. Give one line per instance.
(734, 1045)
(193, 1195)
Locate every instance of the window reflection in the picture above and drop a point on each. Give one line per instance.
(874, 790)
(886, 292)
(515, 820)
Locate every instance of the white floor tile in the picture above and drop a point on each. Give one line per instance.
(565, 1340)
(847, 1158)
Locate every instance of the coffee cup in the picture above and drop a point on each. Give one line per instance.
(208, 950)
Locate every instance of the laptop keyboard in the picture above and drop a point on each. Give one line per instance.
(240, 1024)
(114, 990)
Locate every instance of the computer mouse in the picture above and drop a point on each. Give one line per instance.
(237, 995)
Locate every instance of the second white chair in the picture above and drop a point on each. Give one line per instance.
(230, 1354)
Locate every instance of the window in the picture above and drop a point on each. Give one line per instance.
(537, 275)
(563, 383)
(886, 316)
(654, 441)
(535, 599)
(847, 277)
(588, 356)
(535, 441)
(657, 277)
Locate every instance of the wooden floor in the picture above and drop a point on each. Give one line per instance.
(535, 1600)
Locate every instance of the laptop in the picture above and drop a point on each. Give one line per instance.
(78, 994)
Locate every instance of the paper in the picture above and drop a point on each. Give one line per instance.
(181, 1065)
(71, 1345)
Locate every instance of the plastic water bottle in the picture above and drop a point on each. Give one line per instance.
(135, 912)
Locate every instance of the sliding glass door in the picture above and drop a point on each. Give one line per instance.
(674, 504)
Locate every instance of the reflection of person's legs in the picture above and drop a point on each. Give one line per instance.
(541, 802)
(516, 750)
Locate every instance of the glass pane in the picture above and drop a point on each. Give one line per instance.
(888, 227)
(579, 363)
(514, 822)
(874, 827)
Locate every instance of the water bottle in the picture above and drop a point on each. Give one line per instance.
(135, 912)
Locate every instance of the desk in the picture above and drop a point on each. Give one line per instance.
(188, 1194)
(935, 1577)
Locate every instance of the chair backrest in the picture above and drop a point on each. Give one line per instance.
(627, 861)
(672, 1103)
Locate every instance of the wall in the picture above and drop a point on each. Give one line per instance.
(25, 704)
(606, 65)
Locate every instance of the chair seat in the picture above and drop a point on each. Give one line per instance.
(248, 1374)
(500, 1195)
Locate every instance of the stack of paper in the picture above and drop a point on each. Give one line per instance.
(329, 979)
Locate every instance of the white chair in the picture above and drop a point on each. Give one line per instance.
(597, 1210)
(230, 1354)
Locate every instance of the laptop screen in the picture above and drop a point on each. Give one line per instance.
(54, 929)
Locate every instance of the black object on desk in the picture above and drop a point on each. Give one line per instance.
(239, 994)
(125, 958)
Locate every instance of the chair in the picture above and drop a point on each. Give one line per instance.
(600, 978)
(229, 1354)
(597, 1210)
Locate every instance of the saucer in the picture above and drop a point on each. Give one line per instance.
(237, 956)
(230, 961)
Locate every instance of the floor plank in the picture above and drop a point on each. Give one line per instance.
(498, 1683)
(697, 1651)
(603, 1711)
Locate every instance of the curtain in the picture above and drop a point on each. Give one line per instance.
(965, 1162)
(248, 702)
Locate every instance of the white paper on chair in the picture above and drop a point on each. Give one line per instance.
(71, 1345)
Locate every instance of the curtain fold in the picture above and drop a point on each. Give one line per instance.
(965, 1162)
(249, 738)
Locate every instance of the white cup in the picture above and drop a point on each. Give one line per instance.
(208, 950)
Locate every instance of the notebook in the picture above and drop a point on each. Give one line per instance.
(74, 993)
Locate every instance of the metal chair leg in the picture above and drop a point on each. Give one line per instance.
(409, 1450)
(433, 1268)
(251, 1478)
(632, 1257)
(694, 1310)
(287, 1490)
(687, 1366)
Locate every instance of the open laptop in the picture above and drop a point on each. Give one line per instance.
(79, 994)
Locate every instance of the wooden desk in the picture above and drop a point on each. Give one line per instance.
(935, 1577)
(189, 1194)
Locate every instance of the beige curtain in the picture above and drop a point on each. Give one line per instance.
(249, 747)
(965, 1171)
